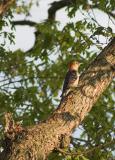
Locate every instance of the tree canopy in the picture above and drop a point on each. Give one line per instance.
(31, 81)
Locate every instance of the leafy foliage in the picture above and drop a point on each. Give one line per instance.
(31, 81)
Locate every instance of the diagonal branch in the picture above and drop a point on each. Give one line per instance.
(40, 140)
(111, 14)
(86, 152)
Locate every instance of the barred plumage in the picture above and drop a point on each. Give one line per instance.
(71, 78)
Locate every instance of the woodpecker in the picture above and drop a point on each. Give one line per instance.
(71, 78)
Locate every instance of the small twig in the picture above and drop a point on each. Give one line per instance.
(86, 151)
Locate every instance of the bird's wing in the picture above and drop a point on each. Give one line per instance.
(72, 78)
(66, 81)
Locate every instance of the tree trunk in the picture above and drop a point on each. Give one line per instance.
(38, 141)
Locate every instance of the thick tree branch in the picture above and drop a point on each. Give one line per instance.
(31, 24)
(24, 22)
(5, 5)
(39, 140)
(57, 5)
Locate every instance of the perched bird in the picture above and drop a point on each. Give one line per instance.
(71, 78)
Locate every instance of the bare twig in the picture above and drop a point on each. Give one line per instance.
(102, 146)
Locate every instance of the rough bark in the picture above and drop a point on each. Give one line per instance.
(38, 141)
(5, 5)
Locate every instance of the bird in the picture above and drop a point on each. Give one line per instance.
(71, 78)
